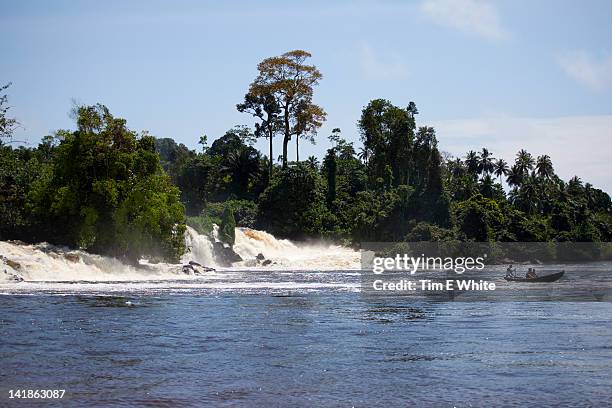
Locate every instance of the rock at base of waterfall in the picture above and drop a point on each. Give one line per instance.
(72, 257)
(225, 255)
(266, 262)
(260, 257)
(194, 268)
(15, 265)
(12, 277)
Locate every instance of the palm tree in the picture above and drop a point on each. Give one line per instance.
(313, 162)
(457, 168)
(363, 154)
(471, 161)
(243, 165)
(515, 176)
(528, 194)
(486, 186)
(589, 194)
(574, 186)
(485, 162)
(500, 168)
(544, 167)
(513, 196)
(524, 161)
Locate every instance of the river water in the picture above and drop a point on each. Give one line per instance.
(289, 338)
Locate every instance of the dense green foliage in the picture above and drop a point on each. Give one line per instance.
(104, 188)
(99, 188)
(399, 187)
(281, 98)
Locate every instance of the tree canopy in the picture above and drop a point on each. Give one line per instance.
(106, 192)
(110, 190)
(281, 96)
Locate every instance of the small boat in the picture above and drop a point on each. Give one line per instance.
(544, 278)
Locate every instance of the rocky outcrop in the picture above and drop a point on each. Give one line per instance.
(194, 268)
(15, 265)
(72, 257)
(224, 254)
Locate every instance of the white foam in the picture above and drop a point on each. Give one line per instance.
(44, 262)
(286, 254)
(199, 247)
(47, 263)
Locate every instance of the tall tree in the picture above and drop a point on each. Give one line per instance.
(487, 186)
(544, 167)
(425, 143)
(500, 168)
(472, 162)
(288, 82)
(524, 161)
(387, 132)
(485, 162)
(313, 162)
(330, 170)
(515, 176)
(335, 137)
(266, 109)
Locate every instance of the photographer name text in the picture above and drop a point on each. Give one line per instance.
(428, 285)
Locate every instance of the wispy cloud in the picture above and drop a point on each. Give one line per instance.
(378, 68)
(471, 16)
(596, 74)
(568, 140)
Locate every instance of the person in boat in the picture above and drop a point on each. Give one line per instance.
(531, 273)
(510, 271)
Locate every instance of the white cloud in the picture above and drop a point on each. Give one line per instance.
(375, 67)
(471, 16)
(578, 145)
(587, 70)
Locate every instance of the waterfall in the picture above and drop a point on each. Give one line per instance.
(45, 262)
(199, 247)
(286, 254)
(280, 253)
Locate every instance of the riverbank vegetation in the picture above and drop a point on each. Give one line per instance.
(108, 189)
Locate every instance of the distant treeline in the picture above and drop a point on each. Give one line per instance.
(110, 190)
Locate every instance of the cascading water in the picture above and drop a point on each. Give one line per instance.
(44, 262)
(286, 254)
(199, 247)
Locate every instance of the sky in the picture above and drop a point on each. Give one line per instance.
(505, 75)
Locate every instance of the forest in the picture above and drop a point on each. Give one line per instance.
(107, 189)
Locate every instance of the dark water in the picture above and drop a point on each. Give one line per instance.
(327, 346)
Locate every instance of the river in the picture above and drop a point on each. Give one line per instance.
(290, 338)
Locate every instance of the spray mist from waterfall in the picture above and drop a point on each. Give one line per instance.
(200, 247)
(286, 254)
(45, 262)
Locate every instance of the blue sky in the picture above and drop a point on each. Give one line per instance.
(506, 75)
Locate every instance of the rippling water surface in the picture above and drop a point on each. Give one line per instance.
(263, 338)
